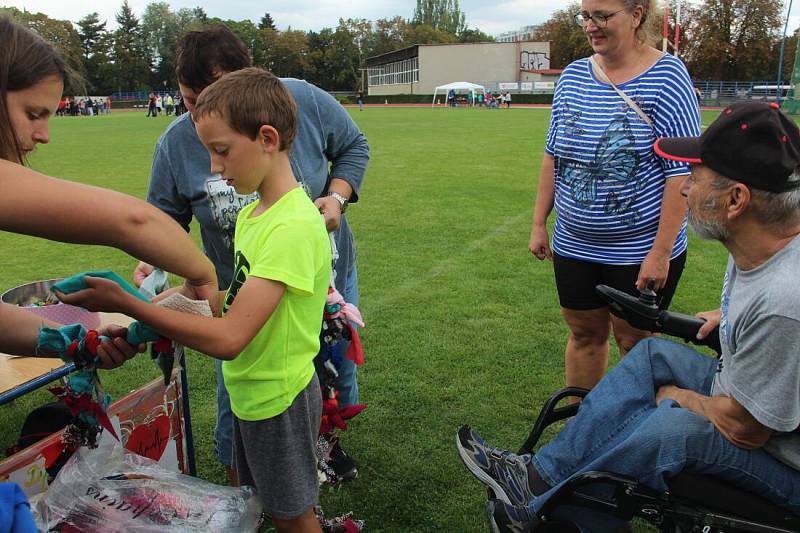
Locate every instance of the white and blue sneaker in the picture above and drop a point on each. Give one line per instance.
(506, 473)
(505, 518)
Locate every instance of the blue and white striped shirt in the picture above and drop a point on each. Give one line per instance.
(609, 183)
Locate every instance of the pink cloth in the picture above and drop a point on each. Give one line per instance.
(348, 311)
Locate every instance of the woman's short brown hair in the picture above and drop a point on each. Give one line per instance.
(248, 99)
(203, 55)
(25, 60)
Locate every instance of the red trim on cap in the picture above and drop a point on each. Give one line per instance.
(665, 155)
(774, 105)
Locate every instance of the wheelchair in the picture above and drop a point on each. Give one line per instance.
(692, 503)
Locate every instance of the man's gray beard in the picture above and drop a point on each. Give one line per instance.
(710, 230)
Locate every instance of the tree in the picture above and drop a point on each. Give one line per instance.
(288, 54)
(90, 31)
(131, 70)
(161, 28)
(267, 23)
(389, 34)
(101, 70)
(333, 58)
(442, 15)
(95, 48)
(474, 36)
(788, 55)
(61, 34)
(250, 36)
(200, 15)
(732, 39)
(425, 34)
(568, 41)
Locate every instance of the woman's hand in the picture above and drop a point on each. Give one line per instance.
(114, 351)
(331, 210)
(654, 267)
(206, 291)
(102, 295)
(539, 245)
(141, 272)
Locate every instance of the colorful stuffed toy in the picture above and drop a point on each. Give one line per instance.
(82, 392)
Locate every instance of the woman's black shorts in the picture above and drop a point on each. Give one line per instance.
(576, 280)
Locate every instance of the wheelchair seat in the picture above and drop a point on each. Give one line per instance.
(692, 502)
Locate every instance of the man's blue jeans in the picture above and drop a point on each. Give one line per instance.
(620, 429)
(346, 385)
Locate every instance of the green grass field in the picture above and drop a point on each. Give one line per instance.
(463, 325)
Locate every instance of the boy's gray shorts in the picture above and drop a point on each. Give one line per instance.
(278, 455)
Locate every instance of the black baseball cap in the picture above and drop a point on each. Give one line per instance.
(754, 143)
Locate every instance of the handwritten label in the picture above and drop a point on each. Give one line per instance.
(31, 477)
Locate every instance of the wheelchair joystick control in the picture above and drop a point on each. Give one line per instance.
(647, 295)
(643, 313)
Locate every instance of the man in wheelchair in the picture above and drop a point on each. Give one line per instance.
(665, 408)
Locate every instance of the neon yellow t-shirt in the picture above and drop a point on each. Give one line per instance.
(287, 243)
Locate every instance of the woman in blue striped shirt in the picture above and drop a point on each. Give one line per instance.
(620, 218)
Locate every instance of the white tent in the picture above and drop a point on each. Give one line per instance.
(472, 88)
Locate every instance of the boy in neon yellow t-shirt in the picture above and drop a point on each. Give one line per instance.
(269, 333)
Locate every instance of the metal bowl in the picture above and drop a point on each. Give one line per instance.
(34, 293)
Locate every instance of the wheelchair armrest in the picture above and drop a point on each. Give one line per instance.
(551, 414)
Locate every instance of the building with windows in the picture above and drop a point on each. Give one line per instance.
(518, 67)
(525, 33)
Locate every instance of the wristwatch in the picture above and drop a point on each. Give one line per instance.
(341, 199)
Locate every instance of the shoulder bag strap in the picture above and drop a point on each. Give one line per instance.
(602, 76)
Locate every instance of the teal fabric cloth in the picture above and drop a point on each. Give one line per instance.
(85, 380)
(138, 333)
(77, 283)
(57, 339)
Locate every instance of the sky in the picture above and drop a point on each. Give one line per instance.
(490, 17)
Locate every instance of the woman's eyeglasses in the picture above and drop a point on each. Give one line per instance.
(599, 20)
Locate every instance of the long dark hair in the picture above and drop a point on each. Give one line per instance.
(25, 60)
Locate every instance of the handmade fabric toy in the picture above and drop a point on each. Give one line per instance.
(336, 325)
(334, 416)
(82, 391)
(334, 466)
(338, 524)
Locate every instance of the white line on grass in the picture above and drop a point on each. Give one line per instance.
(388, 298)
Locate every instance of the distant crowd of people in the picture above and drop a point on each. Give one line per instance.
(87, 107)
(490, 99)
(168, 104)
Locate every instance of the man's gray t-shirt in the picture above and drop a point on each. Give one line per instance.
(760, 337)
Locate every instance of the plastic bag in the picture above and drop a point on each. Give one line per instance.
(113, 490)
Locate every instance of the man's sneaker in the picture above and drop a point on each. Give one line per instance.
(505, 518)
(504, 472)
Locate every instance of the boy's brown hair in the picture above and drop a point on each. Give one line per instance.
(248, 99)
